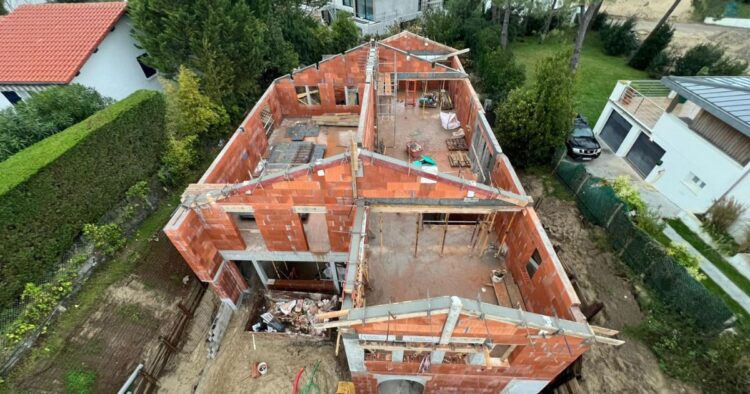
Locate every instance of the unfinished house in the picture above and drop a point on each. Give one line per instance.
(343, 180)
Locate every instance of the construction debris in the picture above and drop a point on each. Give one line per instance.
(341, 119)
(291, 313)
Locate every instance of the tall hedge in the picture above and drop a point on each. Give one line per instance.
(51, 189)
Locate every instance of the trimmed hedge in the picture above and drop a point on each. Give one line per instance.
(51, 189)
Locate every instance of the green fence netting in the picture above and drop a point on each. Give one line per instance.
(666, 278)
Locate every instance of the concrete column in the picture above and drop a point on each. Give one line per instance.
(355, 355)
(397, 356)
(450, 324)
(335, 275)
(476, 358)
(261, 274)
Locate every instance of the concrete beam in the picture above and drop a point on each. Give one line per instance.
(427, 205)
(252, 255)
(450, 324)
(442, 305)
(355, 247)
(355, 355)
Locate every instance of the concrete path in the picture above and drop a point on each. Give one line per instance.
(712, 272)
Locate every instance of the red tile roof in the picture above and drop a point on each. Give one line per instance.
(49, 43)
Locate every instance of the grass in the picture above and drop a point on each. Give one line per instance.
(95, 288)
(711, 254)
(597, 73)
(79, 381)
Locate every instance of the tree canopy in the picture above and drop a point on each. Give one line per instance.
(235, 46)
(535, 121)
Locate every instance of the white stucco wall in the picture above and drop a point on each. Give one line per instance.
(687, 152)
(114, 70)
(385, 13)
(4, 103)
(741, 193)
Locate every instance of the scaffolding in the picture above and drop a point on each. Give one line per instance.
(386, 92)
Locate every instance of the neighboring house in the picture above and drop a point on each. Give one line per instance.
(90, 44)
(11, 5)
(446, 277)
(687, 136)
(377, 16)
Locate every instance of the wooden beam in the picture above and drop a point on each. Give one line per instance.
(331, 315)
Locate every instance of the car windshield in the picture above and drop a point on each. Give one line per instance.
(582, 132)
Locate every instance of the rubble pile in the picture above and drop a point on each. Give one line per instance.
(292, 315)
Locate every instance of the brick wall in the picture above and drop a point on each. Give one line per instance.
(412, 42)
(535, 358)
(338, 71)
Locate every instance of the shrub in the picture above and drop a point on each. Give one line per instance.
(600, 21)
(44, 114)
(724, 213)
(627, 192)
(138, 192)
(500, 74)
(108, 237)
(744, 246)
(649, 221)
(654, 46)
(682, 255)
(708, 59)
(619, 38)
(661, 65)
(190, 115)
(51, 189)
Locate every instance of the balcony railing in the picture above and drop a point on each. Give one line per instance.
(645, 100)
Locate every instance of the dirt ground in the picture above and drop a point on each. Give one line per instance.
(122, 330)
(649, 9)
(631, 368)
(688, 32)
(192, 372)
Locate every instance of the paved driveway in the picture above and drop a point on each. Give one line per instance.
(609, 166)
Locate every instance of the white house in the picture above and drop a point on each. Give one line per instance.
(377, 16)
(687, 136)
(45, 45)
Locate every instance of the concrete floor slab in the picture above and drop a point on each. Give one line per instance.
(397, 275)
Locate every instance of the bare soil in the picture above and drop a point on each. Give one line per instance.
(631, 368)
(122, 330)
(649, 9)
(190, 371)
(688, 31)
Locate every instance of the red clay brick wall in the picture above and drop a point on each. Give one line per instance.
(338, 71)
(504, 176)
(199, 239)
(536, 358)
(549, 292)
(409, 42)
(245, 149)
(280, 226)
(465, 101)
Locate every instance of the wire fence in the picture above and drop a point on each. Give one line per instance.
(666, 278)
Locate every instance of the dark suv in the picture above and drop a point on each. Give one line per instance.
(581, 144)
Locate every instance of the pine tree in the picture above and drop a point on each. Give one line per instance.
(344, 33)
(655, 43)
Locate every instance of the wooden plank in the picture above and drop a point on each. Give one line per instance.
(501, 292)
(331, 315)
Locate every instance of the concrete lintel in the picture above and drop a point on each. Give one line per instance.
(358, 231)
(432, 76)
(397, 356)
(251, 255)
(440, 205)
(442, 305)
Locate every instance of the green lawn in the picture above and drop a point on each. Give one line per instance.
(597, 72)
(711, 254)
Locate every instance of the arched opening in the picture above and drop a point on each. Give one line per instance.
(400, 386)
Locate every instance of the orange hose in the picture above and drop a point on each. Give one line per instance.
(296, 381)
